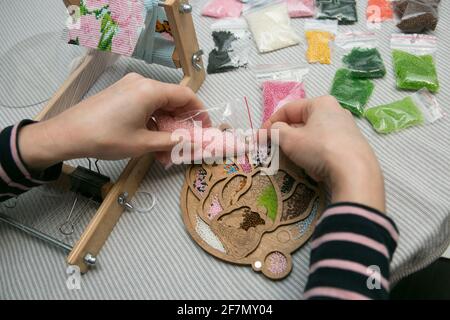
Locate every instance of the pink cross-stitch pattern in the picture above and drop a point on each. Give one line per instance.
(127, 13)
(95, 4)
(125, 41)
(89, 32)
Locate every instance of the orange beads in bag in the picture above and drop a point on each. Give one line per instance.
(379, 11)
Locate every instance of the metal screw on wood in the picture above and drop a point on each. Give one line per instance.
(90, 259)
(124, 202)
(197, 59)
(185, 8)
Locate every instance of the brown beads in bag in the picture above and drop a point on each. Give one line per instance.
(417, 15)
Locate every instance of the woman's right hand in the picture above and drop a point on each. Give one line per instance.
(321, 137)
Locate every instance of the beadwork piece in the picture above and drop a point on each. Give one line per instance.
(246, 217)
(127, 27)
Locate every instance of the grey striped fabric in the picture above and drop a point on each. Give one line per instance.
(151, 256)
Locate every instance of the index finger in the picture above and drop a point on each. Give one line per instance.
(180, 100)
(290, 113)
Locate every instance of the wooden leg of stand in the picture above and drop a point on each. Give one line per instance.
(101, 225)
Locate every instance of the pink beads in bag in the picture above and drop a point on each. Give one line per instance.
(301, 8)
(223, 9)
(277, 93)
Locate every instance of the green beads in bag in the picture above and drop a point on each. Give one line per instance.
(365, 63)
(413, 61)
(414, 72)
(416, 109)
(394, 116)
(352, 93)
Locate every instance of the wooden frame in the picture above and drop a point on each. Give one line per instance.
(73, 90)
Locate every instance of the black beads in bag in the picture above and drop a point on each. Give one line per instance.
(232, 41)
(344, 11)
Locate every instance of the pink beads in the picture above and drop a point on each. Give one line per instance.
(222, 9)
(170, 124)
(278, 93)
(277, 263)
(214, 143)
(215, 208)
(301, 8)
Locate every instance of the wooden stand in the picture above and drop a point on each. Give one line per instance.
(187, 56)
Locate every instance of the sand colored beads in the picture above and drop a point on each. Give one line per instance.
(319, 49)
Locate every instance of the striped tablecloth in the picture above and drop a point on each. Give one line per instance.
(151, 255)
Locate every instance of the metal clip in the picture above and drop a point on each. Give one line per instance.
(197, 60)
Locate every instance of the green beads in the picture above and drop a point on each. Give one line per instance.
(414, 72)
(394, 116)
(365, 63)
(352, 93)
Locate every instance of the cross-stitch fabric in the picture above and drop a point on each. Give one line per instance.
(133, 28)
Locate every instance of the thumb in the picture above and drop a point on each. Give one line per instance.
(286, 136)
(159, 140)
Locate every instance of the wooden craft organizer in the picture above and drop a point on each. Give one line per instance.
(115, 196)
(236, 191)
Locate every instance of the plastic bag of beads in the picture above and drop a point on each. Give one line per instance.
(270, 25)
(352, 93)
(232, 41)
(227, 114)
(222, 9)
(399, 7)
(301, 8)
(379, 10)
(361, 56)
(319, 35)
(281, 84)
(344, 11)
(418, 16)
(419, 108)
(414, 63)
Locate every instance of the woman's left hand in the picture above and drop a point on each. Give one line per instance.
(114, 124)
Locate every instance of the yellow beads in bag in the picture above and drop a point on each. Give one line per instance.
(319, 49)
